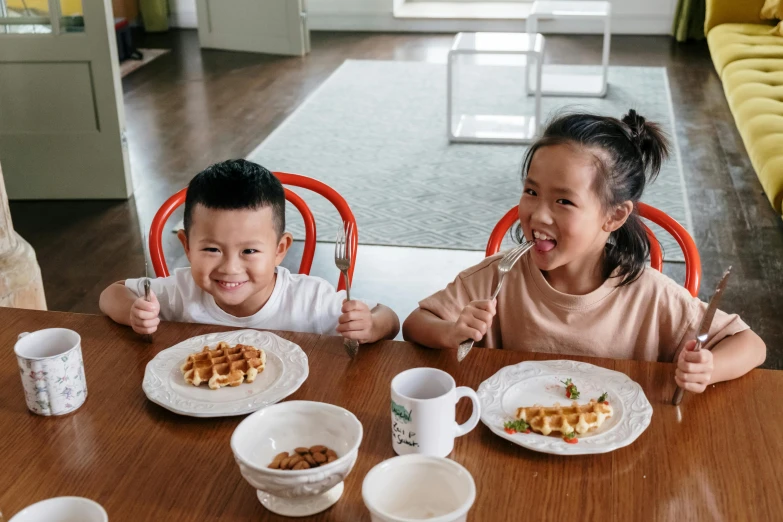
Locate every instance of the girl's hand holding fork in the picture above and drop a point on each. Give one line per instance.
(474, 321)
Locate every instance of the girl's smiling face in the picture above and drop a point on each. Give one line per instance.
(561, 210)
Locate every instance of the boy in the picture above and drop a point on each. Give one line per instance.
(235, 240)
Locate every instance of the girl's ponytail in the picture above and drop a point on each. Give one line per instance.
(650, 141)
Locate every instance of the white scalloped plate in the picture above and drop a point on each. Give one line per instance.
(539, 382)
(286, 369)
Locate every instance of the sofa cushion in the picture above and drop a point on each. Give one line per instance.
(732, 12)
(772, 10)
(754, 89)
(732, 42)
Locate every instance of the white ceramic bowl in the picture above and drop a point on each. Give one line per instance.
(418, 487)
(283, 427)
(63, 509)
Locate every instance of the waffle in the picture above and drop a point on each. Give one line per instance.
(224, 366)
(579, 418)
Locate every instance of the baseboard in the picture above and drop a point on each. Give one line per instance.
(184, 20)
(387, 22)
(651, 25)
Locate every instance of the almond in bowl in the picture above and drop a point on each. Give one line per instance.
(299, 429)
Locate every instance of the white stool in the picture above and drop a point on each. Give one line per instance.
(559, 80)
(478, 128)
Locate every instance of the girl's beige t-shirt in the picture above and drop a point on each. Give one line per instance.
(650, 319)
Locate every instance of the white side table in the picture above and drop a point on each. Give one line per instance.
(561, 80)
(480, 128)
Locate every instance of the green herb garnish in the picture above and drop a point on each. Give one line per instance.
(571, 391)
(603, 397)
(516, 425)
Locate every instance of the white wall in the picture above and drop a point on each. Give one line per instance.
(182, 13)
(628, 17)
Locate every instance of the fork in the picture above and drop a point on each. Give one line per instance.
(146, 282)
(342, 259)
(506, 264)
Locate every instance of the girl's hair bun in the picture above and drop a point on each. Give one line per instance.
(649, 140)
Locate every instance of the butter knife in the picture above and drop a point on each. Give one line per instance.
(704, 328)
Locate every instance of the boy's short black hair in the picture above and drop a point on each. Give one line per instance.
(236, 185)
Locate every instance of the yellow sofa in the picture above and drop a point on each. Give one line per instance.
(748, 55)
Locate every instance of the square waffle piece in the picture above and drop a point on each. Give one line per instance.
(579, 418)
(224, 366)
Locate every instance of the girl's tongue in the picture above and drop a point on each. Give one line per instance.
(545, 245)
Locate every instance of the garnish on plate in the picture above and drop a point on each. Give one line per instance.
(571, 391)
(570, 438)
(604, 398)
(516, 426)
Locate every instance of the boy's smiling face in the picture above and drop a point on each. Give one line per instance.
(233, 255)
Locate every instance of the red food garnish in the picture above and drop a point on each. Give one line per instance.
(570, 438)
(510, 431)
(527, 430)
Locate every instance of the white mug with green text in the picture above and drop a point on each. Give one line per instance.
(423, 412)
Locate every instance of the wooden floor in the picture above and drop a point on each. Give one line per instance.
(191, 108)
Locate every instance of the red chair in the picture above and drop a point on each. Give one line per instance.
(165, 211)
(660, 218)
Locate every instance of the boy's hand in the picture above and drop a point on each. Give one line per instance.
(474, 321)
(144, 315)
(694, 369)
(355, 321)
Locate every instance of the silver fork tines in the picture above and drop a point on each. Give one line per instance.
(342, 259)
(504, 267)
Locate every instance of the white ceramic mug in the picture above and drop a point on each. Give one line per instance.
(63, 509)
(418, 487)
(424, 409)
(52, 370)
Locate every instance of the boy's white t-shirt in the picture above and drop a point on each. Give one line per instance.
(299, 303)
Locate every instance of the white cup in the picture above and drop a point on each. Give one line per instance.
(63, 509)
(418, 487)
(424, 410)
(52, 370)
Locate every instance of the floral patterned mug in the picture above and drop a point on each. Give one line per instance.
(52, 370)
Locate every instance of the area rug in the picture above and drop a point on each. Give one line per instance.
(376, 132)
(128, 66)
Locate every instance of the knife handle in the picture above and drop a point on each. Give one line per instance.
(678, 395)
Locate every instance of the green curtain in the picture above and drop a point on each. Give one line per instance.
(689, 20)
(155, 15)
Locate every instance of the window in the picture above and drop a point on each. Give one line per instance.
(37, 16)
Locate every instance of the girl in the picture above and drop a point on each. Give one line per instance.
(585, 289)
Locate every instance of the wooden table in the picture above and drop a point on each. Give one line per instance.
(719, 456)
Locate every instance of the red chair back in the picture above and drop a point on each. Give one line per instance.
(295, 180)
(660, 218)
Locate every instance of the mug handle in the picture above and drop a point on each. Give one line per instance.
(467, 426)
(22, 335)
